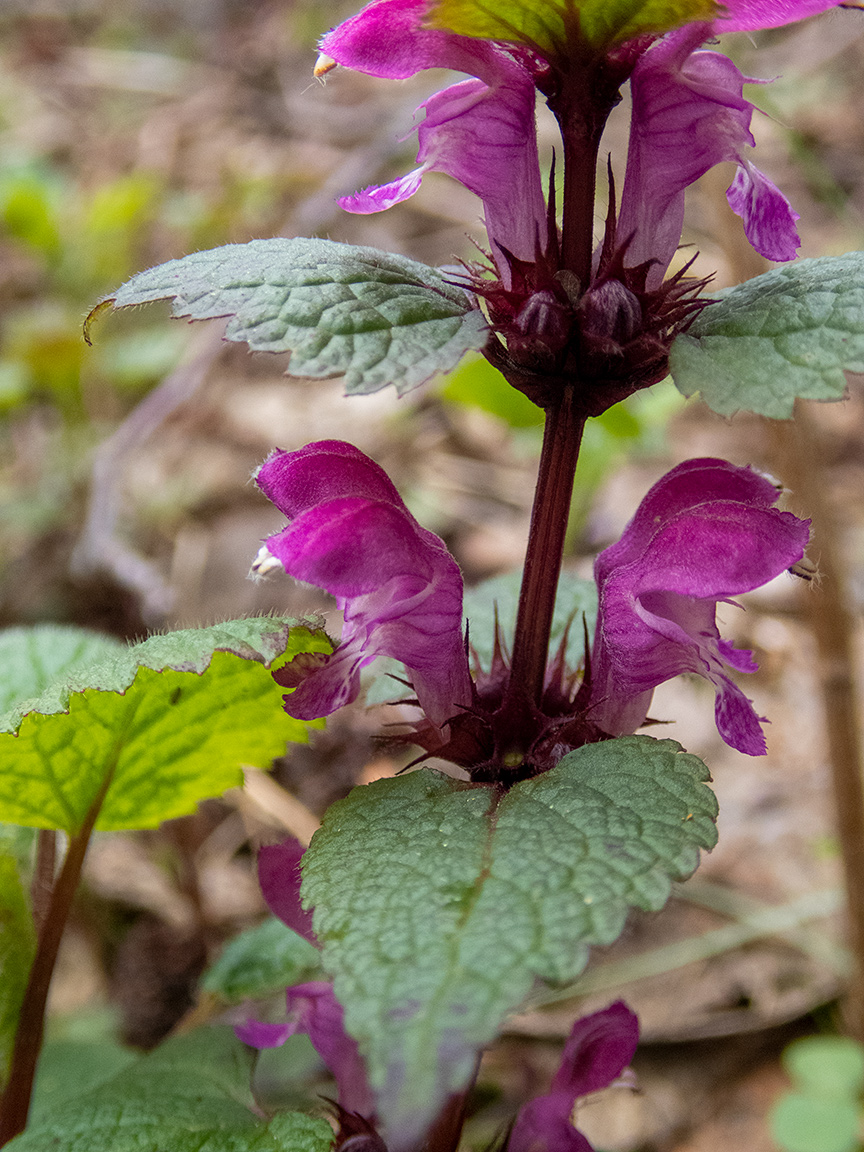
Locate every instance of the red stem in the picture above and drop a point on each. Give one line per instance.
(445, 1133)
(15, 1101)
(561, 439)
(43, 875)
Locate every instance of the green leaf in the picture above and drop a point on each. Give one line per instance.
(788, 333)
(543, 24)
(160, 725)
(190, 1095)
(801, 1123)
(32, 658)
(374, 317)
(439, 903)
(826, 1066)
(261, 961)
(476, 384)
(17, 947)
(70, 1067)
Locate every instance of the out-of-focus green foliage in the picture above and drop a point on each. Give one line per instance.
(73, 241)
(823, 1112)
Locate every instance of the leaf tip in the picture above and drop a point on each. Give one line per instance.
(94, 313)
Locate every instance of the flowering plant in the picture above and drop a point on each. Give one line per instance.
(437, 902)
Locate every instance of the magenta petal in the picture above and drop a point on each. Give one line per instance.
(736, 719)
(484, 137)
(386, 39)
(381, 197)
(297, 481)
(749, 15)
(481, 132)
(279, 877)
(320, 1015)
(691, 484)
(398, 586)
(706, 532)
(689, 113)
(769, 219)
(598, 1050)
(257, 1034)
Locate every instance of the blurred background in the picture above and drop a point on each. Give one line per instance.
(135, 131)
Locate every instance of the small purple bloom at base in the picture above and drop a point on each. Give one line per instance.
(599, 1048)
(314, 1010)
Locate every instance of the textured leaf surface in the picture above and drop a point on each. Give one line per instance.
(69, 1067)
(439, 907)
(17, 945)
(374, 317)
(161, 724)
(261, 961)
(190, 1095)
(31, 658)
(788, 333)
(542, 23)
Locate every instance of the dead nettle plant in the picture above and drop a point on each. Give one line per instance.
(432, 905)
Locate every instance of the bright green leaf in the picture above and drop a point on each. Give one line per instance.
(372, 316)
(544, 24)
(827, 1066)
(439, 904)
(476, 384)
(261, 961)
(161, 724)
(801, 1123)
(31, 658)
(190, 1095)
(788, 333)
(17, 946)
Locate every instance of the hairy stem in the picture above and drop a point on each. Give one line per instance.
(561, 440)
(15, 1101)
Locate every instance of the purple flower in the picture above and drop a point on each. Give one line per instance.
(315, 1011)
(598, 1050)
(479, 131)
(398, 586)
(312, 1007)
(689, 113)
(279, 877)
(751, 15)
(705, 532)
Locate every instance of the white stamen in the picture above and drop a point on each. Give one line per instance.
(323, 65)
(264, 563)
